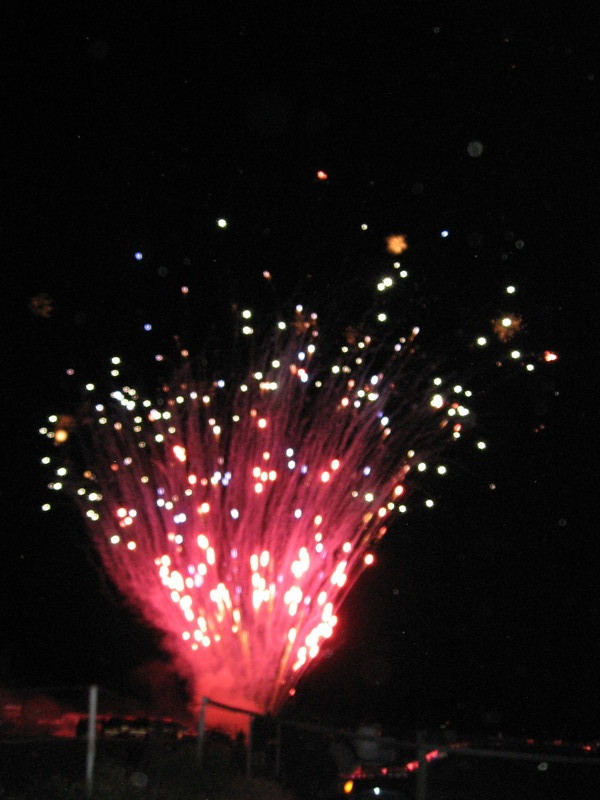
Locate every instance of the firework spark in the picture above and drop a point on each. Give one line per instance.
(236, 515)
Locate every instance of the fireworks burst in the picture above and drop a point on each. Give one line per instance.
(236, 515)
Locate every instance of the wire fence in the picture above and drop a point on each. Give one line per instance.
(111, 748)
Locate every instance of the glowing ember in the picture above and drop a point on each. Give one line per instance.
(396, 244)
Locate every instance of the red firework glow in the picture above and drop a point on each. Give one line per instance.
(236, 516)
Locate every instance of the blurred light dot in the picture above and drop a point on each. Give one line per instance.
(321, 175)
(475, 148)
(222, 223)
(364, 227)
(138, 256)
(511, 289)
(444, 234)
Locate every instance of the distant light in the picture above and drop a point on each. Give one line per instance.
(138, 256)
(481, 341)
(481, 445)
(475, 148)
(321, 175)
(147, 327)
(444, 234)
(222, 223)
(550, 356)
(364, 227)
(511, 289)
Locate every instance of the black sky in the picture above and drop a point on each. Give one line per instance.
(132, 130)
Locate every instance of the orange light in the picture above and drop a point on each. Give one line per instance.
(321, 175)
(348, 786)
(396, 244)
(550, 356)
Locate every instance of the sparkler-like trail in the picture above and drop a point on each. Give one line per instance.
(235, 516)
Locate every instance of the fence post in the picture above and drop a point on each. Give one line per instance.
(249, 749)
(422, 771)
(91, 741)
(201, 727)
(277, 750)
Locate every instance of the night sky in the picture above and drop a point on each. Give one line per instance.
(136, 130)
